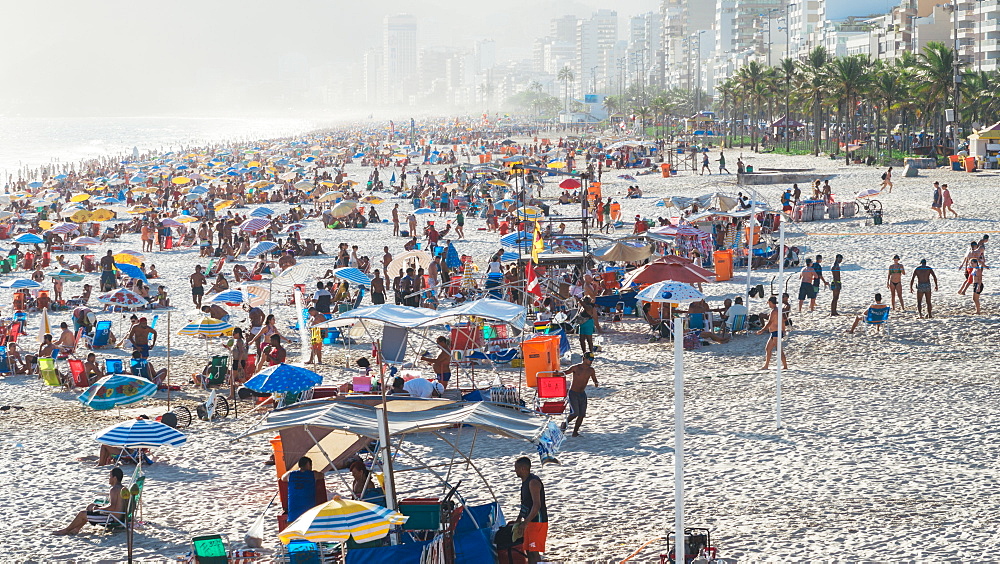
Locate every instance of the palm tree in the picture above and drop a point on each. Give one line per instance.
(935, 67)
(751, 77)
(661, 106)
(815, 72)
(566, 76)
(887, 89)
(849, 77)
(789, 72)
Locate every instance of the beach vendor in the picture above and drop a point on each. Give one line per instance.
(108, 280)
(582, 373)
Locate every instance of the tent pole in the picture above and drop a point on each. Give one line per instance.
(168, 360)
(679, 439)
(781, 322)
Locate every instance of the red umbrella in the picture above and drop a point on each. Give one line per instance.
(670, 267)
(570, 184)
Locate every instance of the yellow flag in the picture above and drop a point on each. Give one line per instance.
(537, 244)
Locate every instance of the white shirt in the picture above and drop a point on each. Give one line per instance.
(733, 312)
(494, 268)
(422, 388)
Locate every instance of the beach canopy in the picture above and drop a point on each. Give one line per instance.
(283, 379)
(413, 317)
(669, 292)
(117, 389)
(339, 519)
(624, 251)
(352, 275)
(140, 433)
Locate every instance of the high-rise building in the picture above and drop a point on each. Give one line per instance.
(372, 70)
(595, 38)
(399, 58)
(803, 19)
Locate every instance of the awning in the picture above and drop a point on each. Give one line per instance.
(620, 251)
(413, 317)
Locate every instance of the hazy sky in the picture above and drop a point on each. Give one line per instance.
(112, 57)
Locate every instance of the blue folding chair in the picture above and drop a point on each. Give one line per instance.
(114, 366)
(4, 361)
(102, 332)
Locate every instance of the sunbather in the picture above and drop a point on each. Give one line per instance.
(99, 515)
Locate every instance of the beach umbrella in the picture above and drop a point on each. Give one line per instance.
(262, 212)
(34, 184)
(20, 284)
(231, 297)
(669, 292)
(556, 164)
(28, 239)
(530, 213)
(283, 379)
(223, 205)
(517, 239)
(498, 183)
(331, 196)
(295, 274)
(258, 294)
(67, 274)
(132, 271)
(344, 208)
(117, 389)
(186, 218)
(868, 193)
(422, 211)
(261, 248)
(293, 228)
(569, 183)
(180, 180)
(139, 210)
(509, 256)
(375, 200)
(102, 214)
(207, 327)
(674, 270)
(5, 215)
(122, 298)
(352, 275)
(409, 259)
(63, 228)
(340, 519)
(170, 222)
(85, 241)
(140, 433)
(304, 186)
(80, 198)
(254, 224)
(134, 258)
(44, 328)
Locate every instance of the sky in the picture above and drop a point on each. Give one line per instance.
(118, 58)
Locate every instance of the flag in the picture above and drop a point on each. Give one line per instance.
(537, 244)
(531, 285)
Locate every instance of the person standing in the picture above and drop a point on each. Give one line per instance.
(108, 279)
(976, 281)
(835, 285)
(197, 281)
(975, 253)
(946, 202)
(936, 201)
(806, 287)
(460, 224)
(772, 328)
(722, 163)
(378, 288)
(894, 282)
(441, 363)
(582, 373)
(395, 220)
(533, 511)
(923, 275)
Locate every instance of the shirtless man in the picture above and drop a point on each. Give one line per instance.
(197, 281)
(67, 340)
(216, 311)
(582, 374)
(878, 305)
(108, 280)
(395, 222)
(976, 251)
(806, 287)
(922, 275)
(894, 282)
(976, 281)
(92, 368)
(97, 514)
(442, 362)
(772, 328)
(139, 335)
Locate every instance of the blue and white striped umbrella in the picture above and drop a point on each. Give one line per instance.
(509, 256)
(283, 379)
(261, 248)
(231, 297)
(28, 239)
(262, 212)
(423, 211)
(20, 283)
(117, 389)
(352, 275)
(140, 433)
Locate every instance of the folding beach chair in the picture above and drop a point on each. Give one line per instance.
(79, 376)
(4, 361)
(132, 505)
(217, 371)
(70, 351)
(552, 388)
(47, 370)
(102, 332)
(114, 366)
(303, 552)
(140, 367)
(738, 324)
(13, 332)
(877, 320)
(210, 549)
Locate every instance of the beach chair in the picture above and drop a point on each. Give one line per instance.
(303, 552)
(79, 375)
(114, 366)
(102, 332)
(210, 549)
(738, 324)
(877, 320)
(47, 370)
(552, 388)
(140, 367)
(4, 361)
(13, 332)
(217, 371)
(362, 384)
(132, 504)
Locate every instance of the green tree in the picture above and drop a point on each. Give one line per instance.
(566, 76)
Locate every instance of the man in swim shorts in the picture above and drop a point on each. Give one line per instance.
(772, 328)
(582, 374)
(923, 275)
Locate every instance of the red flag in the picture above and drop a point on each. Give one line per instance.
(531, 281)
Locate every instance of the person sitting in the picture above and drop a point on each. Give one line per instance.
(734, 311)
(152, 272)
(877, 310)
(101, 515)
(362, 487)
(67, 340)
(301, 488)
(92, 369)
(147, 370)
(220, 284)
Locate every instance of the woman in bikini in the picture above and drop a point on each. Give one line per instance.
(894, 282)
(835, 285)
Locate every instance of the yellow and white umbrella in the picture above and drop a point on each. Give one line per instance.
(372, 200)
(102, 214)
(180, 180)
(80, 216)
(207, 327)
(134, 258)
(224, 204)
(80, 198)
(339, 519)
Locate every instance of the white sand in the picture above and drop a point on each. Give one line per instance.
(887, 450)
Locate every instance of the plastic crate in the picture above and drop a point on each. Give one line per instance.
(423, 513)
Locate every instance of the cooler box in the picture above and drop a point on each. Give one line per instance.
(541, 354)
(723, 265)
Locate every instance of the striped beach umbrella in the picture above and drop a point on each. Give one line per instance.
(339, 519)
(170, 222)
(63, 228)
(231, 297)
(207, 327)
(352, 275)
(28, 239)
(283, 379)
(530, 213)
(261, 248)
(293, 228)
(20, 284)
(262, 212)
(85, 241)
(254, 224)
(122, 298)
(297, 274)
(117, 389)
(140, 433)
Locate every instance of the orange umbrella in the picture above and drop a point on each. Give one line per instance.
(670, 267)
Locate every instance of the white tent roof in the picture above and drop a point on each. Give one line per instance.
(413, 317)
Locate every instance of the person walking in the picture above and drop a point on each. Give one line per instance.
(887, 180)
(772, 328)
(936, 201)
(835, 284)
(923, 275)
(894, 282)
(582, 374)
(722, 163)
(946, 202)
(533, 511)
(704, 164)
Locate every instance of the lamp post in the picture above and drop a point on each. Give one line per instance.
(958, 81)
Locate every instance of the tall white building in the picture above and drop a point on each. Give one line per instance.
(595, 39)
(399, 58)
(802, 20)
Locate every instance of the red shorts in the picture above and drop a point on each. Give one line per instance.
(534, 536)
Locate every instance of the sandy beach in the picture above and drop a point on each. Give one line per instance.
(885, 452)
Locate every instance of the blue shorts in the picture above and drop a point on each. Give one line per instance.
(444, 377)
(143, 350)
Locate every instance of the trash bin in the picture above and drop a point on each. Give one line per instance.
(877, 218)
(723, 265)
(970, 164)
(749, 169)
(665, 170)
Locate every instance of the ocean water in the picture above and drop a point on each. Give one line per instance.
(33, 142)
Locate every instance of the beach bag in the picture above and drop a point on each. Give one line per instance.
(255, 535)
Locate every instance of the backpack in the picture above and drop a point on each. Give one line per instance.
(884, 175)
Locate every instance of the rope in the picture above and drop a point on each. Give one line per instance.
(638, 550)
(908, 233)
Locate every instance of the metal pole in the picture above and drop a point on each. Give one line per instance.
(957, 83)
(781, 322)
(168, 361)
(750, 237)
(678, 439)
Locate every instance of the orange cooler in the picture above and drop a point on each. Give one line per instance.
(541, 354)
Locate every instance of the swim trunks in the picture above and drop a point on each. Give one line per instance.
(807, 290)
(578, 403)
(977, 288)
(587, 327)
(924, 287)
(444, 377)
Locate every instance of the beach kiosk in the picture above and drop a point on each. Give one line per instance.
(984, 146)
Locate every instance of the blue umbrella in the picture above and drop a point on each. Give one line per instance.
(20, 283)
(451, 257)
(140, 433)
(282, 379)
(422, 211)
(60, 177)
(117, 389)
(261, 248)
(519, 238)
(352, 275)
(262, 212)
(34, 185)
(509, 256)
(132, 271)
(28, 239)
(231, 297)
